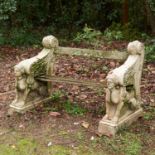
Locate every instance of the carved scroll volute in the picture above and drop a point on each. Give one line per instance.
(50, 43)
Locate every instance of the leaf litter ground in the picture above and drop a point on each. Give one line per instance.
(63, 133)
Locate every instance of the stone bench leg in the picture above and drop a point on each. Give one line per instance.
(123, 101)
(29, 90)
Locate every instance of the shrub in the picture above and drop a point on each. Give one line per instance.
(88, 35)
(73, 109)
(123, 32)
(150, 52)
(113, 34)
(6, 8)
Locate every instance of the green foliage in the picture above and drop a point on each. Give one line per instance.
(22, 147)
(127, 143)
(148, 116)
(113, 34)
(127, 32)
(152, 5)
(39, 69)
(150, 113)
(59, 150)
(2, 39)
(69, 107)
(133, 144)
(73, 109)
(18, 37)
(6, 8)
(56, 96)
(21, 19)
(150, 52)
(88, 35)
(26, 146)
(23, 37)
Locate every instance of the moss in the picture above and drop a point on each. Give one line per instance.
(22, 147)
(39, 68)
(59, 150)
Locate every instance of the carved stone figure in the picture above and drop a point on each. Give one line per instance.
(29, 90)
(123, 102)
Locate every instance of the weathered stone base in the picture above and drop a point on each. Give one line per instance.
(109, 128)
(28, 106)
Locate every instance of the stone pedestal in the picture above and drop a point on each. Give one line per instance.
(109, 128)
(22, 109)
(29, 90)
(30, 105)
(123, 97)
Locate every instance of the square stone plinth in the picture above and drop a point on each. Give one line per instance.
(28, 106)
(109, 128)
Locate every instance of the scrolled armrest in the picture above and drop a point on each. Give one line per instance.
(123, 84)
(28, 88)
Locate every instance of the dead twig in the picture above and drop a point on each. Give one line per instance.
(8, 92)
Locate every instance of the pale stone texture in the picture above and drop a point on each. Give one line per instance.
(29, 90)
(123, 100)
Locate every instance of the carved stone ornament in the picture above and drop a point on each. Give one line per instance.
(29, 90)
(123, 101)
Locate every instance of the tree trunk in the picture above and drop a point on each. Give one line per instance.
(125, 10)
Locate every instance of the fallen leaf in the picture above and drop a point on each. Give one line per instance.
(83, 96)
(21, 126)
(75, 88)
(92, 138)
(49, 144)
(55, 114)
(152, 103)
(13, 146)
(76, 123)
(112, 64)
(85, 124)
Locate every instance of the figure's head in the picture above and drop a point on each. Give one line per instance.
(18, 71)
(135, 47)
(50, 42)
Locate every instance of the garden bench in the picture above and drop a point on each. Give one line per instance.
(34, 79)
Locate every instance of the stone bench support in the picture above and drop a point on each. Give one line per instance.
(123, 99)
(29, 90)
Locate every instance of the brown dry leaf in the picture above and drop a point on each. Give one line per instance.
(13, 146)
(85, 124)
(83, 96)
(103, 75)
(75, 87)
(112, 64)
(152, 103)
(55, 114)
(153, 72)
(1, 114)
(21, 126)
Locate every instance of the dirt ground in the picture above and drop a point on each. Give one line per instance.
(38, 132)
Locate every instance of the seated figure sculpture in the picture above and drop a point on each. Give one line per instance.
(29, 90)
(123, 102)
